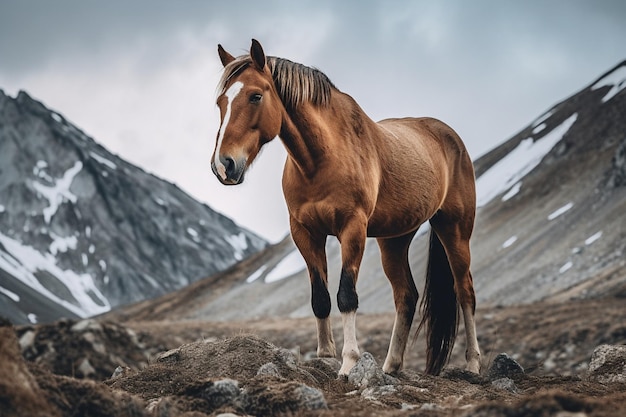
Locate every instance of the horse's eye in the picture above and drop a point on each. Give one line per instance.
(255, 98)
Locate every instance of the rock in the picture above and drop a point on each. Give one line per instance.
(170, 356)
(289, 398)
(310, 398)
(505, 384)
(288, 358)
(270, 369)
(87, 324)
(217, 394)
(86, 369)
(134, 339)
(608, 364)
(120, 371)
(374, 393)
(328, 364)
(504, 366)
(27, 339)
(618, 170)
(224, 392)
(97, 345)
(366, 372)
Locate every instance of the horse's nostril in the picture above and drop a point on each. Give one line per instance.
(229, 164)
(230, 170)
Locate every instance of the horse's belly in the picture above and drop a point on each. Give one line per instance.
(390, 223)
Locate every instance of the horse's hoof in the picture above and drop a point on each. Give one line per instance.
(342, 378)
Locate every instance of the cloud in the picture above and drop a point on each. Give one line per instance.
(140, 76)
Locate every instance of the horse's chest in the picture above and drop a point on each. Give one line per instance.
(327, 208)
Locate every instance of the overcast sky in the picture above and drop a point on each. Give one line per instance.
(140, 76)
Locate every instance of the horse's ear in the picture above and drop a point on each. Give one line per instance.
(225, 57)
(257, 54)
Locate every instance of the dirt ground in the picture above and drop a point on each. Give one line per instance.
(267, 367)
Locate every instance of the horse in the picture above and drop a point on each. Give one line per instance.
(350, 177)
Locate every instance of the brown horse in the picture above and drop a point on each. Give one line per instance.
(350, 177)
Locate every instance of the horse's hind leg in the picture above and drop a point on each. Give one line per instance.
(454, 235)
(313, 250)
(394, 256)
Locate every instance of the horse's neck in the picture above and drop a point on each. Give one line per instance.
(303, 139)
(305, 132)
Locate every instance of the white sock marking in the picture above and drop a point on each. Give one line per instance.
(230, 94)
(350, 352)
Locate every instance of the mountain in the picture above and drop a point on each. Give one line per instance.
(82, 231)
(550, 225)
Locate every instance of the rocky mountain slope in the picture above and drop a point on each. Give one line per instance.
(550, 225)
(541, 359)
(82, 231)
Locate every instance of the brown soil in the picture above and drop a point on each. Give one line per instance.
(267, 367)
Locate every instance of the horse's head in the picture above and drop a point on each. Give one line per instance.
(250, 111)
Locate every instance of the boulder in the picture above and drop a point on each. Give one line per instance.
(504, 366)
(608, 364)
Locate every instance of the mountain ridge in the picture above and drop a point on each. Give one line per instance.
(84, 231)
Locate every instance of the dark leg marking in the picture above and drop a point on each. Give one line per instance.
(320, 298)
(347, 298)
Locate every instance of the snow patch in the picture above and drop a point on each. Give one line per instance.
(60, 192)
(62, 244)
(510, 241)
(512, 192)
(192, 232)
(159, 201)
(38, 171)
(560, 211)
(103, 160)
(256, 274)
(239, 243)
(616, 80)
(290, 265)
(519, 162)
(23, 262)
(539, 128)
(593, 238)
(10, 294)
(542, 118)
(56, 117)
(2, 208)
(565, 267)
(32, 318)
(103, 265)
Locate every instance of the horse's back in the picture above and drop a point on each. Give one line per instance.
(426, 129)
(446, 169)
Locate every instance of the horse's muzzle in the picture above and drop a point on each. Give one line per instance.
(229, 171)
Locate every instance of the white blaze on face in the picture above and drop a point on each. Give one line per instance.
(230, 94)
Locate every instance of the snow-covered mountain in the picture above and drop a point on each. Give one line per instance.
(82, 231)
(551, 225)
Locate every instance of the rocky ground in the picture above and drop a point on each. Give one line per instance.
(538, 360)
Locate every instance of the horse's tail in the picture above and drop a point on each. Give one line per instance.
(439, 308)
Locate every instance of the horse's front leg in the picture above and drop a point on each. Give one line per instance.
(352, 239)
(313, 250)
